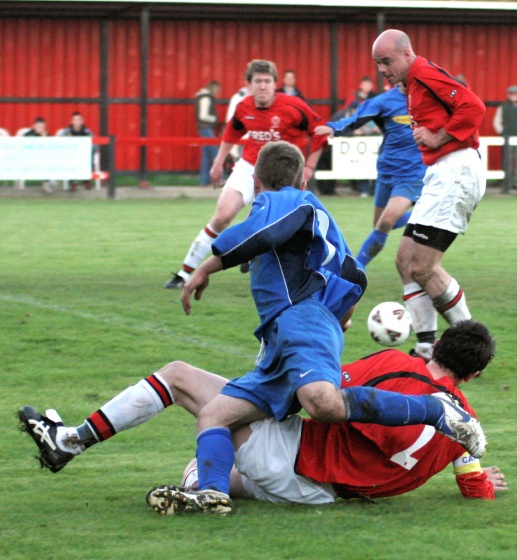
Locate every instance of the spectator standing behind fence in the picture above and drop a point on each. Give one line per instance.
(505, 124)
(289, 85)
(364, 91)
(76, 128)
(39, 128)
(206, 117)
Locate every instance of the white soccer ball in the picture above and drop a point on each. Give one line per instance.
(389, 324)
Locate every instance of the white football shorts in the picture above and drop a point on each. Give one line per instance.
(267, 462)
(453, 187)
(241, 180)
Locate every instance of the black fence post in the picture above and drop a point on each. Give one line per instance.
(507, 168)
(111, 168)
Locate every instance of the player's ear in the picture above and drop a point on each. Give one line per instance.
(256, 185)
(303, 186)
(471, 376)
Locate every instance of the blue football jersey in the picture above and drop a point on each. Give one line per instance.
(398, 155)
(297, 251)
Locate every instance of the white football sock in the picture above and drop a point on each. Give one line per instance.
(134, 406)
(452, 304)
(184, 274)
(421, 308)
(191, 479)
(201, 247)
(424, 350)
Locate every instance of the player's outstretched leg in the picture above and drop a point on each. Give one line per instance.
(58, 444)
(370, 405)
(44, 431)
(172, 500)
(371, 247)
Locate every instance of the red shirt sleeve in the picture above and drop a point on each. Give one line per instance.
(313, 120)
(475, 485)
(234, 130)
(436, 101)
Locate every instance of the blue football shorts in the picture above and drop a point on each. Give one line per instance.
(303, 345)
(388, 186)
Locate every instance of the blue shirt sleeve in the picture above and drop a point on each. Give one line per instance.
(372, 109)
(272, 222)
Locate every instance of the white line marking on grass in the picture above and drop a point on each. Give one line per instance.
(134, 324)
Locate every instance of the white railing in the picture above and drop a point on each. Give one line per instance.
(356, 157)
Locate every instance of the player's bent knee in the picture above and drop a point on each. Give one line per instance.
(420, 273)
(385, 225)
(220, 223)
(174, 372)
(324, 404)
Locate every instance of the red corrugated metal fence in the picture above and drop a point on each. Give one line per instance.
(48, 59)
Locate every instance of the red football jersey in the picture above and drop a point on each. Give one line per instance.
(289, 118)
(435, 101)
(379, 461)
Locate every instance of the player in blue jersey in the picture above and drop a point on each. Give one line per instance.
(305, 284)
(400, 170)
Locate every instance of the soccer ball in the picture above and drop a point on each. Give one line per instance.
(389, 324)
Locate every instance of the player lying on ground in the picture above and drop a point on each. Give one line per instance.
(301, 460)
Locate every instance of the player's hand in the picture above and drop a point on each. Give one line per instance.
(346, 319)
(216, 174)
(421, 136)
(308, 172)
(196, 284)
(323, 129)
(497, 478)
(424, 137)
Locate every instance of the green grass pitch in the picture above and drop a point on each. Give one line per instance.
(84, 315)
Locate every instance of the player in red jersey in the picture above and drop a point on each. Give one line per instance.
(301, 460)
(445, 116)
(351, 459)
(305, 461)
(265, 115)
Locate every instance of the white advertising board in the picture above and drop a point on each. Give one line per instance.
(52, 158)
(353, 157)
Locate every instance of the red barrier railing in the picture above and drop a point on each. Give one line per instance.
(191, 141)
(101, 140)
